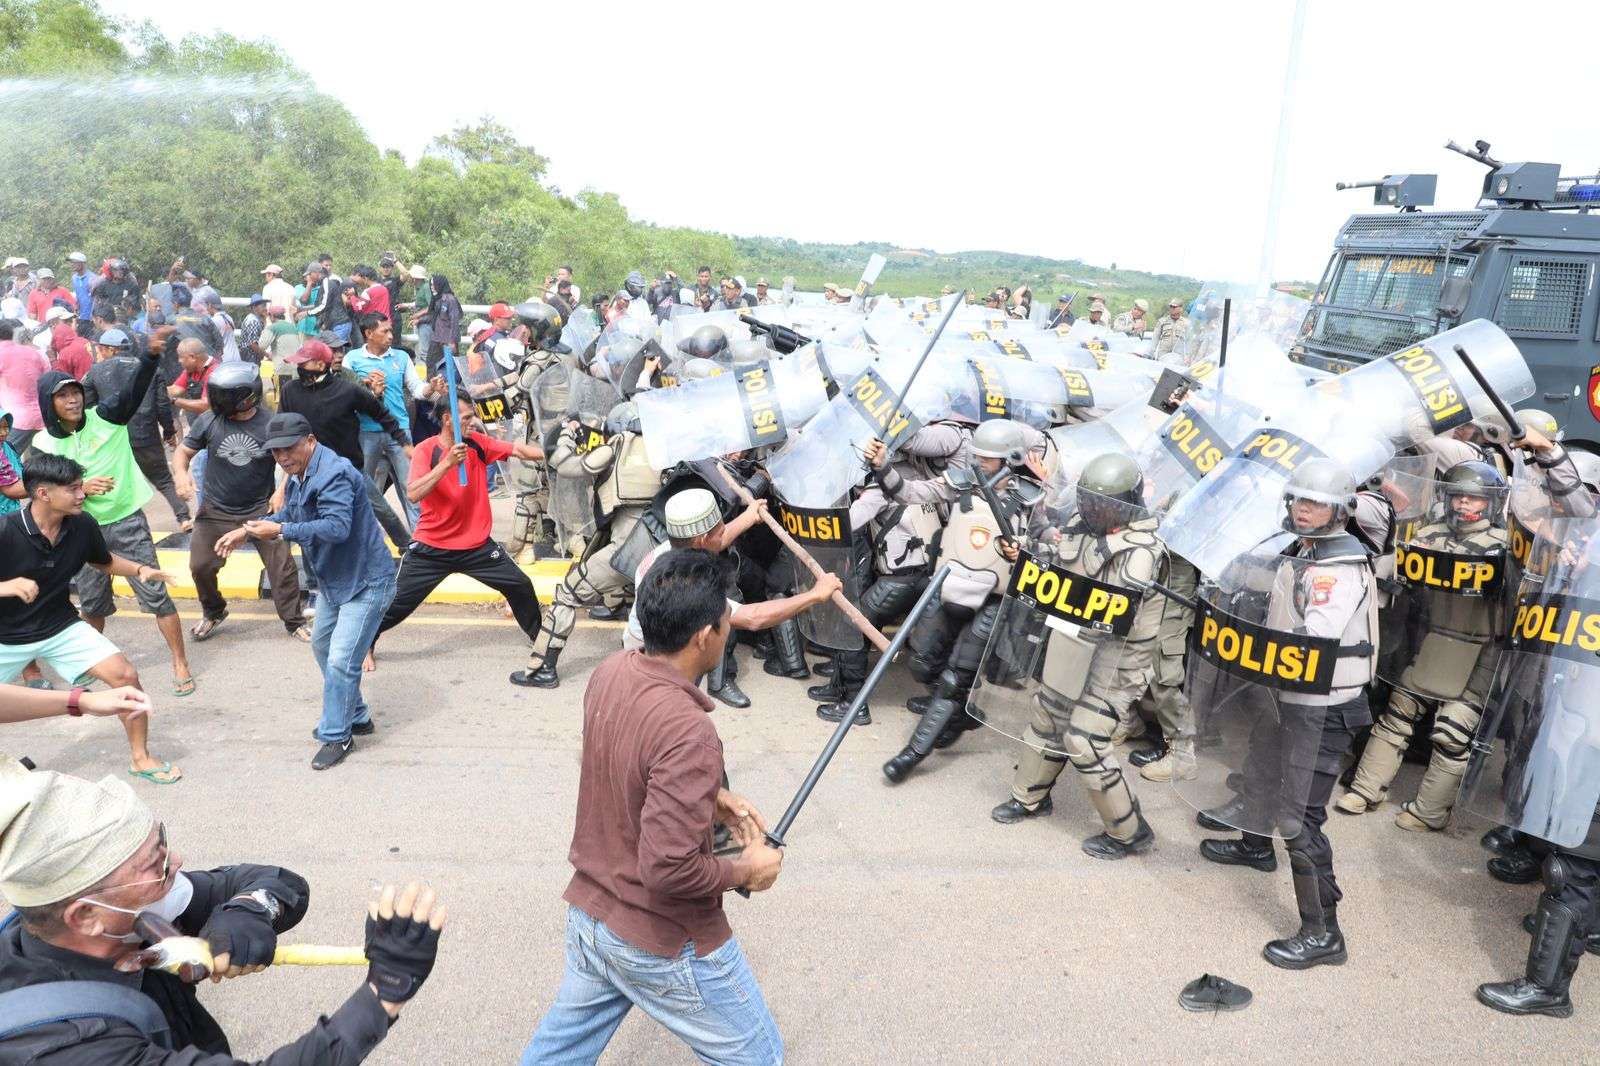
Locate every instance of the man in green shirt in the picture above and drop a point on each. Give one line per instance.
(116, 493)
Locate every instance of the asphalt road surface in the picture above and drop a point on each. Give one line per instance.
(906, 927)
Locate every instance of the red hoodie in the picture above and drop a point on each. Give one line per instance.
(71, 351)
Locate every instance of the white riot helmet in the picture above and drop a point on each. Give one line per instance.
(1588, 464)
(1320, 480)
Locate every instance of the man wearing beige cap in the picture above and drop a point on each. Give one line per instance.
(82, 861)
(762, 295)
(1135, 320)
(279, 293)
(1172, 331)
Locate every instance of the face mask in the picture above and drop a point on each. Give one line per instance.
(169, 906)
(311, 377)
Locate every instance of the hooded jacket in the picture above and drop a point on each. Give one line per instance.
(100, 442)
(11, 471)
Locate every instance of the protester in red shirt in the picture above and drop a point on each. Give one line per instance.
(46, 294)
(72, 355)
(453, 532)
(370, 296)
(644, 917)
(189, 391)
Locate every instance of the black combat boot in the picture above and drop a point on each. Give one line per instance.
(1551, 962)
(1240, 853)
(1145, 756)
(1519, 866)
(832, 712)
(1012, 811)
(1223, 819)
(831, 690)
(1319, 941)
(936, 717)
(788, 658)
(603, 613)
(1499, 840)
(543, 677)
(720, 684)
(1106, 846)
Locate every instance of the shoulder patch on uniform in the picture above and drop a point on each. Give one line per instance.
(978, 537)
(1322, 587)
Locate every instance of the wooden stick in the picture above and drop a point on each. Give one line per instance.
(839, 599)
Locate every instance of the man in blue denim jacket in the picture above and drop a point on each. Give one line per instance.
(342, 544)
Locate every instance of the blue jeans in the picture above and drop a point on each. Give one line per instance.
(197, 474)
(378, 448)
(713, 1004)
(340, 637)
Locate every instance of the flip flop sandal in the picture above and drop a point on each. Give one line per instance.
(154, 775)
(183, 688)
(203, 629)
(302, 634)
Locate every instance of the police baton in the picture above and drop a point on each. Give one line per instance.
(1175, 597)
(840, 600)
(775, 835)
(926, 351)
(455, 407)
(1512, 421)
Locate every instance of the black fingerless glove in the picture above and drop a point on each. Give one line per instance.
(242, 929)
(400, 955)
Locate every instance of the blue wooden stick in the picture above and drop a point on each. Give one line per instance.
(455, 408)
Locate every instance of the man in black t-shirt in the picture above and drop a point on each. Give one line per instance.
(41, 547)
(240, 476)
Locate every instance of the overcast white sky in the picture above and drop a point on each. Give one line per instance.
(1139, 133)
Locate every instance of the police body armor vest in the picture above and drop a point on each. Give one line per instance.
(905, 544)
(631, 481)
(971, 545)
(1358, 644)
(1086, 666)
(1453, 660)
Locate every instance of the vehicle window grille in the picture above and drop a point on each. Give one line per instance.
(1545, 295)
(1356, 333)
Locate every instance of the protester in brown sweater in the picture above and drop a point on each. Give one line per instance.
(645, 923)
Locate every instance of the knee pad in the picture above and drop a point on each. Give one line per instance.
(923, 669)
(1555, 872)
(954, 684)
(1453, 727)
(1406, 707)
(563, 620)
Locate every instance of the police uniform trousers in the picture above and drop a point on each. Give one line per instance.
(1165, 699)
(885, 601)
(1291, 766)
(1081, 730)
(589, 582)
(946, 649)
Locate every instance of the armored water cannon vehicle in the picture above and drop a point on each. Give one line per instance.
(1525, 257)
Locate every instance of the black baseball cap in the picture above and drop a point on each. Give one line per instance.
(287, 430)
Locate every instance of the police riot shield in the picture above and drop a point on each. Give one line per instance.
(824, 461)
(754, 405)
(572, 501)
(580, 329)
(1444, 612)
(1535, 762)
(479, 376)
(1425, 390)
(825, 534)
(1240, 502)
(1127, 430)
(1191, 442)
(620, 350)
(1260, 691)
(1068, 647)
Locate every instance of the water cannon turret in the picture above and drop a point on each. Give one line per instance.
(1406, 192)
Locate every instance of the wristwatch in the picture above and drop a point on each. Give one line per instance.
(265, 900)
(72, 703)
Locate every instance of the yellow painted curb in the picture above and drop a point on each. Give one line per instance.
(240, 578)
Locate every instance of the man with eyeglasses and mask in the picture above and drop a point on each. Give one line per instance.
(81, 862)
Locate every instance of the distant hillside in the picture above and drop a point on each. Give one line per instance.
(921, 271)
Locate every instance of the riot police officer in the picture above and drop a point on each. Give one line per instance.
(979, 546)
(625, 484)
(1322, 588)
(893, 545)
(1090, 679)
(1450, 630)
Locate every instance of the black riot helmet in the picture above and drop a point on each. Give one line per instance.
(544, 325)
(707, 342)
(1110, 492)
(234, 387)
(1474, 478)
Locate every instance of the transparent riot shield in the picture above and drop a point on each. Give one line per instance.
(751, 406)
(1128, 429)
(1535, 762)
(479, 375)
(825, 534)
(1424, 390)
(1068, 649)
(1260, 692)
(580, 329)
(572, 496)
(821, 463)
(1445, 611)
(1239, 503)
